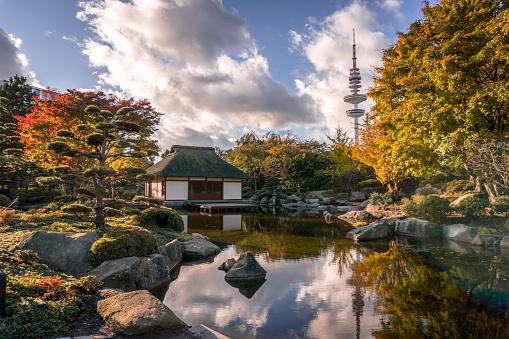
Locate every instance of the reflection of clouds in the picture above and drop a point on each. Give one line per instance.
(305, 298)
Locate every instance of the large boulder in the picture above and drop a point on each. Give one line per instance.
(293, 198)
(417, 228)
(172, 253)
(329, 201)
(488, 240)
(504, 243)
(459, 232)
(64, 250)
(313, 201)
(357, 196)
(117, 273)
(378, 230)
(246, 268)
(152, 271)
(137, 313)
(199, 248)
(349, 208)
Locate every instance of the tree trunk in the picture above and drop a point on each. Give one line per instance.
(477, 186)
(491, 191)
(99, 213)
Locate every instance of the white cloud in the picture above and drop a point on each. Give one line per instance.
(194, 61)
(327, 44)
(12, 61)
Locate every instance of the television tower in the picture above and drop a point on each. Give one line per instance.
(355, 98)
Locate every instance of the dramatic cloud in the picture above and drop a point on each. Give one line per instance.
(327, 44)
(12, 61)
(196, 62)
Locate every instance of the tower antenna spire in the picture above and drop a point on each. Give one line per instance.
(355, 98)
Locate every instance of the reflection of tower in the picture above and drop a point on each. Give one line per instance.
(355, 98)
(357, 301)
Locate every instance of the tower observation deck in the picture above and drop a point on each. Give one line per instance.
(355, 98)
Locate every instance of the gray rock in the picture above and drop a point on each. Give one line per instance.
(227, 265)
(357, 196)
(293, 198)
(64, 250)
(417, 228)
(378, 230)
(172, 253)
(370, 208)
(118, 273)
(313, 201)
(148, 316)
(152, 271)
(357, 216)
(246, 268)
(346, 209)
(504, 243)
(329, 201)
(342, 196)
(488, 240)
(264, 201)
(199, 248)
(427, 190)
(506, 224)
(341, 202)
(458, 247)
(459, 232)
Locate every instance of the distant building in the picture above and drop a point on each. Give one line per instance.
(195, 173)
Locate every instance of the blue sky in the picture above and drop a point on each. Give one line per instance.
(216, 69)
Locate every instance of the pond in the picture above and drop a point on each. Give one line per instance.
(321, 285)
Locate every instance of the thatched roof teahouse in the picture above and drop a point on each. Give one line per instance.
(195, 173)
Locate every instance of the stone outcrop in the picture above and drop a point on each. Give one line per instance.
(118, 273)
(488, 240)
(356, 216)
(246, 268)
(151, 272)
(459, 232)
(64, 250)
(378, 230)
(172, 253)
(148, 316)
(199, 247)
(417, 228)
(357, 196)
(348, 208)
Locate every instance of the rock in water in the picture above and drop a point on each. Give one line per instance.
(137, 312)
(227, 265)
(246, 268)
(199, 248)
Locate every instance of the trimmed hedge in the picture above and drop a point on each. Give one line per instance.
(4, 200)
(161, 217)
(111, 212)
(122, 242)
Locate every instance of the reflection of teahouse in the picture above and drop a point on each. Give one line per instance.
(195, 173)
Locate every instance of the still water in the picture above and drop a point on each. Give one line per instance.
(321, 285)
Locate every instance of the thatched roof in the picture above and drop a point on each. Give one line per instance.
(192, 161)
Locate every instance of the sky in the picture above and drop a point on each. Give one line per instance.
(216, 69)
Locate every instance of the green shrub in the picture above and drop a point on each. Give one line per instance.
(53, 207)
(87, 284)
(26, 256)
(457, 186)
(77, 209)
(161, 217)
(121, 242)
(246, 189)
(384, 198)
(130, 211)
(370, 183)
(473, 207)
(431, 207)
(148, 200)
(66, 199)
(4, 200)
(112, 212)
(501, 204)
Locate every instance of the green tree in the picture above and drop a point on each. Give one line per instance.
(108, 139)
(249, 155)
(16, 99)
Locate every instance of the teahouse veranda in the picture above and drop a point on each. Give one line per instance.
(195, 173)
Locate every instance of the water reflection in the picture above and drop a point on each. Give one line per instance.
(319, 285)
